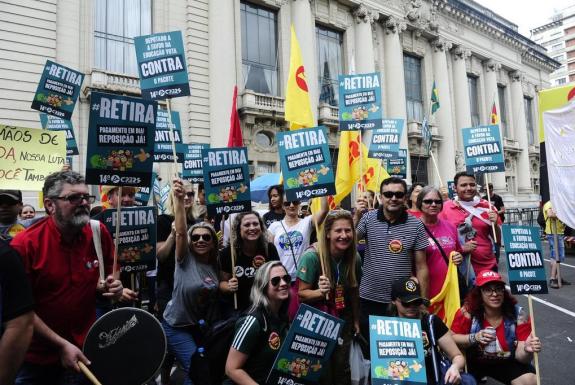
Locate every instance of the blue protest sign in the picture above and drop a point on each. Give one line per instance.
(451, 189)
(305, 163)
(226, 180)
(58, 90)
(359, 102)
(163, 152)
(307, 348)
(120, 140)
(143, 194)
(137, 244)
(525, 264)
(483, 150)
(162, 65)
(385, 140)
(193, 162)
(397, 355)
(398, 166)
(52, 123)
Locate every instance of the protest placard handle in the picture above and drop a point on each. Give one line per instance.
(435, 166)
(117, 240)
(489, 200)
(535, 354)
(322, 261)
(89, 375)
(170, 125)
(556, 247)
(233, 257)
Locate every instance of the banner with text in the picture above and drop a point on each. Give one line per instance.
(52, 123)
(163, 152)
(162, 65)
(28, 156)
(227, 180)
(193, 162)
(385, 140)
(359, 102)
(398, 166)
(525, 264)
(483, 150)
(397, 356)
(307, 348)
(58, 90)
(120, 140)
(306, 163)
(137, 246)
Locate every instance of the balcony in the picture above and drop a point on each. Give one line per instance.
(252, 103)
(511, 145)
(328, 115)
(113, 82)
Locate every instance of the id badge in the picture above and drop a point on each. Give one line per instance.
(339, 300)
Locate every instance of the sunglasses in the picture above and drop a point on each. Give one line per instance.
(391, 194)
(76, 199)
(417, 303)
(205, 237)
(288, 204)
(431, 201)
(275, 281)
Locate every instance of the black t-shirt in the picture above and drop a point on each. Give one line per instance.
(15, 290)
(439, 330)
(246, 267)
(497, 201)
(166, 268)
(271, 217)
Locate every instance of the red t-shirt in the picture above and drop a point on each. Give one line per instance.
(64, 277)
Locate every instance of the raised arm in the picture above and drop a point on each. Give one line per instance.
(180, 220)
(320, 216)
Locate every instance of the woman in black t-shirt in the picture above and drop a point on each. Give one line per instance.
(276, 205)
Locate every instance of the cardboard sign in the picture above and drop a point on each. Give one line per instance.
(28, 156)
(53, 123)
(525, 263)
(483, 149)
(307, 347)
(120, 140)
(398, 166)
(397, 355)
(163, 152)
(137, 248)
(385, 141)
(227, 180)
(306, 163)
(58, 90)
(193, 162)
(162, 65)
(359, 102)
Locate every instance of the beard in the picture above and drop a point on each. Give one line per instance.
(78, 220)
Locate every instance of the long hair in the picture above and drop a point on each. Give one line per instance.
(238, 242)
(280, 190)
(350, 255)
(213, 256)
(474, 304)
(259, 296)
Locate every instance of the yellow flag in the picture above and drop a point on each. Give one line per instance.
(374, 173)
(348, 172)
(446, 302)
(297, 106)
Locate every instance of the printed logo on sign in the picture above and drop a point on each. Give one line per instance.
(248, 271)
(310, 193)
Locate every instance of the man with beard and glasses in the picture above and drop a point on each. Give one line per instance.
(63, 268)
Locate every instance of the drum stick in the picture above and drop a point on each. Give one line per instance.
(89, 375)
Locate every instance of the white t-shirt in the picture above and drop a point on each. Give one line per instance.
(299, 236)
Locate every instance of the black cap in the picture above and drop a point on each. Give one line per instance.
(15, 195)
(407, 290)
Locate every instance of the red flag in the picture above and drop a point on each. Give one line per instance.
(235, 139)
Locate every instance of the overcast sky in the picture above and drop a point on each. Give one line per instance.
(527, 14)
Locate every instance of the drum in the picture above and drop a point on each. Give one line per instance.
(125, 346)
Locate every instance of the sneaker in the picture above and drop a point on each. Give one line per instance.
(565, 282)
(553, 284)
(483, 380)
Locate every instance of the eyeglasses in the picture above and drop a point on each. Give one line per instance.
(288, 204)
(493, 290)
(76, 199)
(390, 194)
(275, 281)
(417, 303)
(205, 237)
(431, 201)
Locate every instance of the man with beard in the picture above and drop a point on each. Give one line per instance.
(63, 268)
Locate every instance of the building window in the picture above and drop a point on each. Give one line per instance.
(528, 103)
(329, 47)
(116, 24)
(413, 94)
(259, 49)
(419, 169)
(264, 139)
(473, 100)
(561, 81)
(504, 127)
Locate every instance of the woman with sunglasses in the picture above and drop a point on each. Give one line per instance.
(194, 302)
(341, 282)
(291, 236)
(260, 333)
(442, 235)
(496, 333)
(252, 250)
(276, 210)
(412, 195)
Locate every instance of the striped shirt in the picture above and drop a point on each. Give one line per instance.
(389, 252)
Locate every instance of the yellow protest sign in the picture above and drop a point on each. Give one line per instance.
(28, 156)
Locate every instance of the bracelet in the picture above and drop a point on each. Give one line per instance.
(472, 339)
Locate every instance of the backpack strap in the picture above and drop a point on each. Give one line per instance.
(95, 225)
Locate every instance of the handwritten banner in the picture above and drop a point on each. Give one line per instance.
(483, 150)
(53, 123)
(359, 102)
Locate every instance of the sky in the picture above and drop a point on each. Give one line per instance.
(527, 14)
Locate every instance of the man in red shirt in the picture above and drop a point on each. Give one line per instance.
(63, 268)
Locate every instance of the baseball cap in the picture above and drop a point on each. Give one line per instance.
(407, 290)
(486, 276)
(16, 195)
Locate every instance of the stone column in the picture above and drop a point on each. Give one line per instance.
(491, 69)
(446, 153)
(462, 105)
(364, 50)
(520, 130)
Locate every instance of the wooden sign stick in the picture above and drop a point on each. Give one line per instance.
(489, 200)
(535, 354)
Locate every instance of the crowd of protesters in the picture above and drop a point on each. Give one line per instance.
(258, 275)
